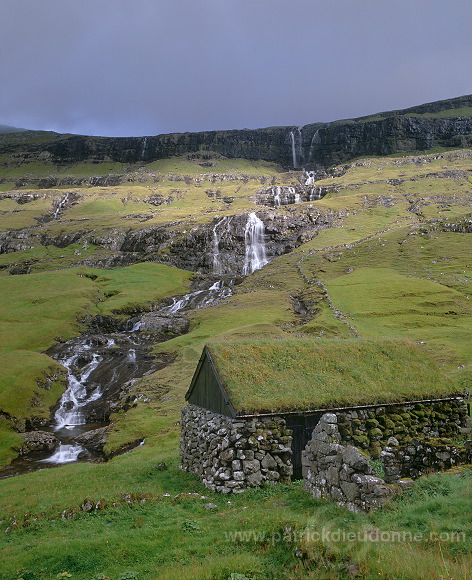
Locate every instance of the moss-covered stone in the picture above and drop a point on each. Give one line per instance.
(396, 418)
(440, 416)
(361, 440)
(375, 449)
(375, 433)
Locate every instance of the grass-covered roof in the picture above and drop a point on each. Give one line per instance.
(302, 374)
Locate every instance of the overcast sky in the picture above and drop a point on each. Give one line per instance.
(144, 67)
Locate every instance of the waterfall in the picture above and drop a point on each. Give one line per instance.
(136, 326)
(310, 177)
(254, 242)
(285, 195)
(314, 139)
(294, 151)
(200, 298)
(181, 303)
(217, 265)
(315, 193)
(277, 194)
(300, 146)
(69, 414)
(143, 151)
(75, 396)
(65, 454)
(61, 204)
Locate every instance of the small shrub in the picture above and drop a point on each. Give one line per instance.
(378, 468)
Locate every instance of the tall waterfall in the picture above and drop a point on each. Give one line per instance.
(315, 139)
(254, 242)
(143, 149)
(301, 156)
(294, 150)
(60, 206)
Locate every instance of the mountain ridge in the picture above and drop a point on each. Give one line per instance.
(311, 146)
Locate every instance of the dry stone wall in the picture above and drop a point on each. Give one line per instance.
(232, 455)
(341, 473)
(335, 469)
(370, 428)
(419, 457)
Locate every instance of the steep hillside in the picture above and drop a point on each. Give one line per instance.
(380, 248)
(145, 263)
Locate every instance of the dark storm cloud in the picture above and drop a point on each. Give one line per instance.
(137, 67)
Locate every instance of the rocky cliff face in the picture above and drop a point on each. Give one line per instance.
(311, 146)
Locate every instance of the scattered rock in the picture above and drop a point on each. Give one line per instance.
(210, 506)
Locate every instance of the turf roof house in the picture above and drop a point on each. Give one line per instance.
(253, 405)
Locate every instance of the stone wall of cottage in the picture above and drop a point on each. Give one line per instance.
(370, 428)
(337, 470)
(420, 457)
(341, 472)
(232, 455)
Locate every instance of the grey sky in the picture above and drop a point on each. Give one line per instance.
(143, 67)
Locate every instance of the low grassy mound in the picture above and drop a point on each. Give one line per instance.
(299, 374)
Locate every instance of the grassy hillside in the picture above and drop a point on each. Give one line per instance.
(396, 266)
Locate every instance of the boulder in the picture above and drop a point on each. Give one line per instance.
(154, 322)
(93, 440)
(37, 442)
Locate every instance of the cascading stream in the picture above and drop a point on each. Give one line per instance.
(99, 364)
(60, 206)
(69, 413)
(91, 368)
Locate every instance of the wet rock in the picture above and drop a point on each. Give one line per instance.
(155, 322)
(92, 440)
(37, 442)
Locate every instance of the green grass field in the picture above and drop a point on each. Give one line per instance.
(390, 268)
